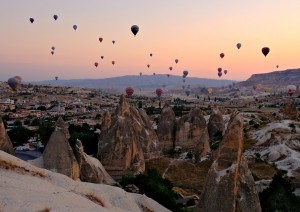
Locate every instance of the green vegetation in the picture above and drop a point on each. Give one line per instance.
(155, 187)
(20, 135)
(279, 196)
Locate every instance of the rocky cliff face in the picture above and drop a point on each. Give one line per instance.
(166, 128)
(274, 79)
(58, 155)
(91, 170)
(216, 125)
(106, 122)
(290, 111)
(123, 147)
(5, 143)
(229, 182)
(191, 132)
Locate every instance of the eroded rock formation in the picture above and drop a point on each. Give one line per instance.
(166, 128)
(191, 132)
(229, 184)
(215, 125)
(5, 143)
(58, 155)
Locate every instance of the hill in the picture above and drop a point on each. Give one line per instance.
(145, 82)
(274, 79)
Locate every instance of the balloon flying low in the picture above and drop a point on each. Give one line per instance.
(159, 92)
(291, 89)
(134, 29)
(185, 73)
(14, 82)
(129, 91)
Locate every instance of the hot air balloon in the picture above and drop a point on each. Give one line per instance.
(53, 48)
(277, 66)
(265, 51)
(96, 64)
(219, 74)
(113, 42)
(55, 17)
(222, 55)
(219, 69)
(225, 72)
(102, 57)
(134, 29)
(52, 52)
(268, 90)
(74, 27)
(100, 39)
(153, 74)
(185, 73)
(129, 91)
(113, 62)
(171, 68)
(18, 78)
(31, 20)
(14, 83)
(140, 73)
(209, 90)
(151, 54)
(176, 61)
(56, 78)
(291, 89)
(259, 86)
(148, 66)
(238, 45)
(159, 92)
(187, 92)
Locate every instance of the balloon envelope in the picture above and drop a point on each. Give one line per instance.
(159, 92)
(31, 20)
(291, 89)
(238, 45)
(129, 91)
(134, 29)
(171, 68)
(151, 54)
(185, 73)
(56, 78)
(219, 74)
(222, 55)
(113, 42)
(55, 17)
(52, 52)
(176, 61)
(225, 71)
(219, 69)
(265, 51)
(96, 64)
(102, 57)
(74, 27)
(100, 39)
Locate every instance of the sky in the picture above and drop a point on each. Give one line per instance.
(193, 31)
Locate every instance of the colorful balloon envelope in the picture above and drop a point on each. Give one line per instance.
(129, 91)
(159, 92)
(291, 89)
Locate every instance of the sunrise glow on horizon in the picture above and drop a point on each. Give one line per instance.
(193, 31)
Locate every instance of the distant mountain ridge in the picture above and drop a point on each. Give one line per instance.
(145, 82)
(274, 79)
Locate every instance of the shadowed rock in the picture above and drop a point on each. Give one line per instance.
(215, 125)
(106, 122)
(5, 143)
(123, 147)
(58, 155)
(91, 170)
(166, 128)
(191, 132)
(229, 184)
(290, 111)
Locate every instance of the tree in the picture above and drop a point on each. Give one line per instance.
(20, 134)
(279, 195)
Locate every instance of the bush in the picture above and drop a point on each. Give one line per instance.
(256, 126)
(279, 195)
(155, 187)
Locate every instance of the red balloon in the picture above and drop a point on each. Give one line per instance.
(219, 69)
(129, 91)
(100, 39)
(96, 64)
(265, 51)
(222, 55)
(159, 92)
